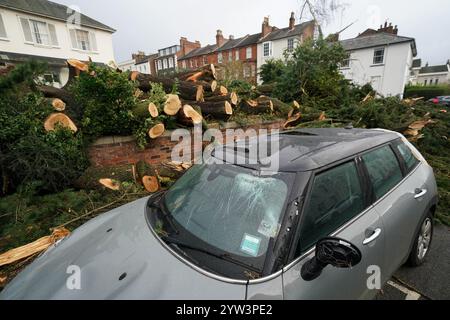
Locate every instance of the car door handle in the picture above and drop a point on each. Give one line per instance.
(373, 237)
(420, 193)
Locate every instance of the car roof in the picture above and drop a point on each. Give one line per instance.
(305, 149)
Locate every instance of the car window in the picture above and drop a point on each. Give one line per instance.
(410, 160)
(336, 198)
(384, 170)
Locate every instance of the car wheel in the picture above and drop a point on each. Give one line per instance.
(422, 243)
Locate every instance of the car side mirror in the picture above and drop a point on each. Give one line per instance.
(331, 251)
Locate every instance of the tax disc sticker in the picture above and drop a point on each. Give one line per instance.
(250, 245)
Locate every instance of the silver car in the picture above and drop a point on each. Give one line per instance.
(345, 209)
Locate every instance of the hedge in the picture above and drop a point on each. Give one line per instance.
(427, 92)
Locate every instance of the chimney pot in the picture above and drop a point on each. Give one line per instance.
(220, 40)
(266, 28)
(292, 21)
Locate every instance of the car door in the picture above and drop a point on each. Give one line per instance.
(337, 205)
(401, 195)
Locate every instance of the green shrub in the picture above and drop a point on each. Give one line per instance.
(427, 92)
(272, 70)
(107, 99)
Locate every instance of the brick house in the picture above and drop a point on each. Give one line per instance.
(243, 57)
(167, 60)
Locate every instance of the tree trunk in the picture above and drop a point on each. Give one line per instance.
(221, 110)
(187, 90)
(253, 107)
(232, 98)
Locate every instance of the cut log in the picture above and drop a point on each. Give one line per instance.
(151, 183)
(31, 249)
(296, 105)
(208, 86)
(322, 117)
(189, 116)
(221, 110)
(200, 94)
(110, 184)
(57, 104)
(293, 121)
(153, 110)
(213, 86)
(263, 100)
(81, 66)
(52, 92)
(187, 90)
(156, 131)
(221, 90)
(232, 98)
(172, 105)
(59, 118)
(195, 77)
(253, 107)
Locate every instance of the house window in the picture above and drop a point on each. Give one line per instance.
(191, 63)
(39, 32)
(165, 63)
(436, 82)
(183, 64)
(378, 57)
(2, 29)
(205, 60)
(290, 44)
(248, 53)
(246, 71)
(83, 40)
(230, 56)
(220, 57)
(159, 65)
(171, 62)
(425, 82)
(346, 62)
(267, 49)
(196, 63)
(237, 54)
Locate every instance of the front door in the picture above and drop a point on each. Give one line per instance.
(337, 206)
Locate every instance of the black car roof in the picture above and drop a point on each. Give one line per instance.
(308, 149)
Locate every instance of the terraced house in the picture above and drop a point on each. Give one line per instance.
(50, 32)
(242, 57)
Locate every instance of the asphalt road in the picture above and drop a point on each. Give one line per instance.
(429, 281)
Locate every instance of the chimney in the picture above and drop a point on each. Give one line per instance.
(138, 56)
(292, 21)
(388, 28)
(187, 46)
(266, 28)
(220, 40)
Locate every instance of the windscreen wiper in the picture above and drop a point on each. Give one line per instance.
(224, 256)
(160, 205)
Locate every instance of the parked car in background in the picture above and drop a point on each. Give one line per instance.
(441, 100)
(343, 203)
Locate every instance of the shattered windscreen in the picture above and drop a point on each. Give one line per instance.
(230, 207)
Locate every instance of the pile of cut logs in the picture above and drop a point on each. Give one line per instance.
(198, 95)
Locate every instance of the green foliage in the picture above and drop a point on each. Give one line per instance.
(312, 74)
(239, 86)
(272, 70)
(428, 92)
(28, 154)
(107, 99)
(24, 74)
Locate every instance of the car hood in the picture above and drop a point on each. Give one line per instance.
(116, 256)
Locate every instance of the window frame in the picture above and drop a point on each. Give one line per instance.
(29, 20)
(270, 49)
(364, 181)
(247, 51)
(290, 47)
(5, 38)
(377, 56)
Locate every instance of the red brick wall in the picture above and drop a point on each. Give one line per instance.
(159, 150)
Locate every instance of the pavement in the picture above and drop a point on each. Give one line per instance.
(430, 281)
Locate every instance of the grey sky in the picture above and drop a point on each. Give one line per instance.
(152, 24)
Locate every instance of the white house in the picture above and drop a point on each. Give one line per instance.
(50, 32)
(128, 65)
(274, 42)
(431, 75)
(380, 57)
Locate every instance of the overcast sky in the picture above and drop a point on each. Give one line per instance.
(152, 24)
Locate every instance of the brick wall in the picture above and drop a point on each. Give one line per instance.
(114, 151)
